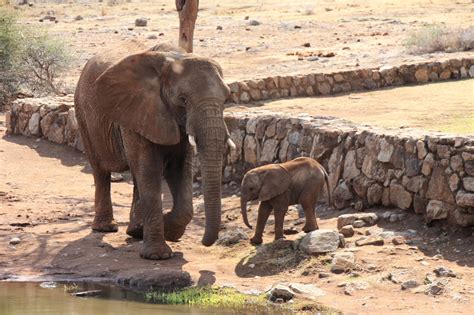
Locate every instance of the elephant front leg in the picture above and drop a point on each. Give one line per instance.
(178, 174)
(104, 218)
(135, 225)
(264, 211)
(280, 206)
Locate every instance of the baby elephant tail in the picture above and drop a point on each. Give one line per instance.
(326, 179)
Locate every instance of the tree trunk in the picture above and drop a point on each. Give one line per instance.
(187, 11)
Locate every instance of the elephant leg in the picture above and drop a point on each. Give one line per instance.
(135, 225)
(264, 211)
(280, 206)
(146, 164)
(308, 202)
(178, 174)
(104, 218)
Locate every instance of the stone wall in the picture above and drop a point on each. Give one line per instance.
(429, 173)
(348, 81)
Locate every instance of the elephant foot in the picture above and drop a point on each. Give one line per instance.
(256, 240)
(308, 229)
(135, 231)
(173, 231)
(156, 252)
(105, 227)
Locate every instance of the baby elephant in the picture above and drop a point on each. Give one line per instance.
(277, 186)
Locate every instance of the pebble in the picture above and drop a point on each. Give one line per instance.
(141, 22)
(410, 284)
(347, 231)
(444, 272)
(253, 23)
(14, 241)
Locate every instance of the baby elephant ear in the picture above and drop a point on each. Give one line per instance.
(275, 181)
(128, 93)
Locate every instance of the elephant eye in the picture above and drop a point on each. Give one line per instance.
(182, 100)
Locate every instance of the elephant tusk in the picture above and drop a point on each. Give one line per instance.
(231, 144)
(192, 142)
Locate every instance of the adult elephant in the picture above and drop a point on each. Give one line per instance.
(147, 110)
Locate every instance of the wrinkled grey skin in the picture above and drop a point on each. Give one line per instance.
(278, 186)
(135, 108)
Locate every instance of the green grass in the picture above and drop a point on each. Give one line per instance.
(231, 299)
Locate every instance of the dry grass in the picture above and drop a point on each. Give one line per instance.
(436, 37)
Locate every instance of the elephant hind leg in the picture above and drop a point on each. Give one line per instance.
(104, 218)
(135, 225)
(308, 201)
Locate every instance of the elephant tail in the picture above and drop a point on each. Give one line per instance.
(326, 179)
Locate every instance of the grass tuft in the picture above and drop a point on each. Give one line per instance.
(436, 37)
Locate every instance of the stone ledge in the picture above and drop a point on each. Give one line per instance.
(277, 87)
(426, 172)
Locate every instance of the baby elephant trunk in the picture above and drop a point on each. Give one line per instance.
(243, 210)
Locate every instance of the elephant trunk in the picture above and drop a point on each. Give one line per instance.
(210, 134)
(243, 210)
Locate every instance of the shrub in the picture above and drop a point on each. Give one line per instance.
(29, 59)
(435, 37)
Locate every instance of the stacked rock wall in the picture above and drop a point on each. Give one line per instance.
(348, 81)
(429, 173)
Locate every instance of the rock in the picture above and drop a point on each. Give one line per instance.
(427, 165)
(324, 88)
(374, 194)
(78, 18)
(457, 163)
(141, 22)
(454, 182)
(444, 272)
(219, 28)
(232, 237)
(465, 199)
(421, 148)
(350, 168)
(468, 183)
(348, 219)
(349, 290)
(469, 167)
(419, 204)
(320, 241)
(347, 231)
(343, 262)
(410, 284)
(34, 124)
(398, 240)
(152, 36)
(386, 151)
(281, 291)
(421, 75)
(358, 224)
(87, 293)
(438, 210)
(116, 177)
(471, 71)
(342, 196)
(400, 197)
(463, 219)
(14, 241)
(250, 150)
(269, 151)
(308, 290)
(253, 23)
(436, 288)
(371, 240)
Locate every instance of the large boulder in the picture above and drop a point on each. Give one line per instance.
(320, 242)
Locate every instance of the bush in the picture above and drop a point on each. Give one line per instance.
(435, 37)
(29, 59)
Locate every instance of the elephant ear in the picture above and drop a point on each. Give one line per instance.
(128, 93)
(275, 181)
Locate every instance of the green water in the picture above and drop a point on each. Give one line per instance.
(24, 298)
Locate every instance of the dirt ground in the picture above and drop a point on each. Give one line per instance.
(361, 33)
(445, 106)
(46, 200)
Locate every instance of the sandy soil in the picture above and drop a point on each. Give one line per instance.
(446, 107)
(46, 199)
(361, 33)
